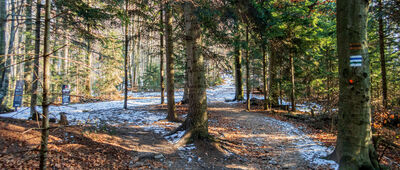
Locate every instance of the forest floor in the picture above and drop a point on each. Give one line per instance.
(104, 136)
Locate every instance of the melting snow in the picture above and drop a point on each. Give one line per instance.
(309, 150)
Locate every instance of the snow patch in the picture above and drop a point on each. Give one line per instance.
(174, 138)
(311, 151)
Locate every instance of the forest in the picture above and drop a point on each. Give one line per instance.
(200, 84)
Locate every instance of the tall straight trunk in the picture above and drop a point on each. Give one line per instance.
(170, 64)
(126, 58)
(293, 90)
(273, 74)
(133, 54)
(3, 69)
(28, 44)
(45, 103)
(382, 55)
(265, 83)
(162, 86)
(35, 73)
(137, 56)
(197, 120)
(88, 81)
(354, 147)
(247, 70)
(66, 62)
(238, 68)
(7, 63)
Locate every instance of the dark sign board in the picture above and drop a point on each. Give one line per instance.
(65, 94)
(19, 92)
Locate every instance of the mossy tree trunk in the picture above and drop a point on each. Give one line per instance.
(354, 148)
(273, 74)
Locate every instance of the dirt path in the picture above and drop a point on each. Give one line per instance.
(247, 140)
(258, 139)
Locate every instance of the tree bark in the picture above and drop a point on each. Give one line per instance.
(35, 73)
(196, 123)
(273, 73)
(28, 44)
(126, 57)
(293, 90)
(45, 103)
(162, 86)
(382, 55)
(247, 70)
(3, 69)
(265, 83)
(172, 116)
(354, 148)
(185, 98)
(238, 68)
(88, 81)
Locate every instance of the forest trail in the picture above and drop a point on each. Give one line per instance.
(247, 140)
(264, 142)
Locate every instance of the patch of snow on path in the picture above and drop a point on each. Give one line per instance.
(309, 150)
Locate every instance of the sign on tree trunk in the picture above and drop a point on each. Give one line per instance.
(19, 91)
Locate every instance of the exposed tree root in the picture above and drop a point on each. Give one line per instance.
(348, 161)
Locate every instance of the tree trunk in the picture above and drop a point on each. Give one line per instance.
(382, 55)
(35, 73)
(126, 58)
(45, 103)
(293, 92)
(196, 123)
(28, 44)
(354, 147)
(170, 64)
(247, 70)
(185, 98)
(3, 69)
(134, 53)
(88, 81)
(238, 68)
(162, 86)
(273, 73)
(265, 83)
